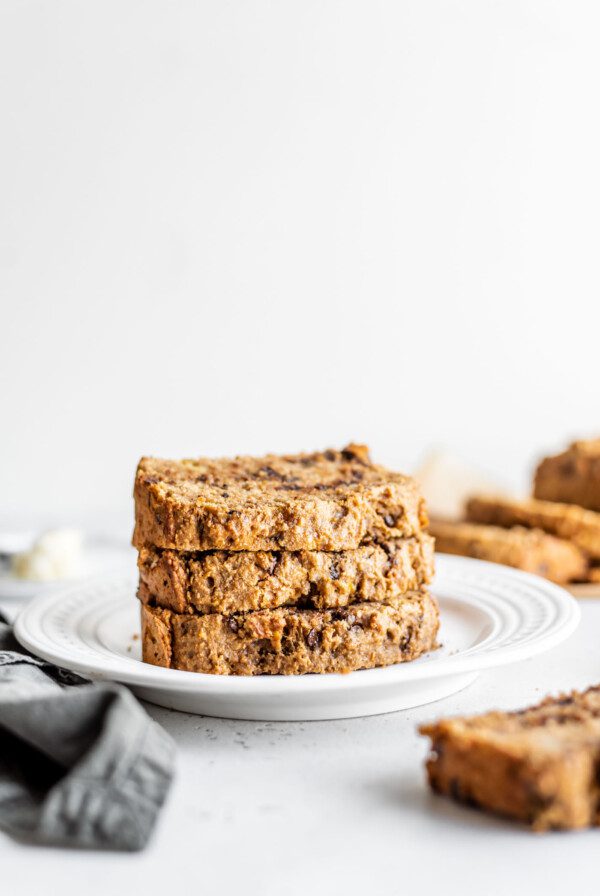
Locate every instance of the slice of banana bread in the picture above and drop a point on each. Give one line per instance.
(330, 500)
(539, 765)
(572, 477)
(290, 641)
(527, 549)
(239, 581)
(567, 521)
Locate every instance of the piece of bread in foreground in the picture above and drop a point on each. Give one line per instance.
(528, 549)
(567, 521)
(289, 641)
(572, 477)
(329, 500)
(239, 581)
(538, 765)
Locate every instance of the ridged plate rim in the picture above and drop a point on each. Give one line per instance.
(526, 615)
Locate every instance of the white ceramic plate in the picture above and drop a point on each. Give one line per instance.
(491, 615)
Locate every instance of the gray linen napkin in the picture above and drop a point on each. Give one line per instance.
(81, 764)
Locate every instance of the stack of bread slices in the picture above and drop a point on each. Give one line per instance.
(282, 564)
(556, 533)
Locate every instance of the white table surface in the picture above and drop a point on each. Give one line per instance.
(332, 807)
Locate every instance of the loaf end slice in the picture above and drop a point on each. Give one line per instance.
(572, 477)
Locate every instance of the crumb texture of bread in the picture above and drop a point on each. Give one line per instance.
(240, 581)
(572, 477)
(538, 765)
(329, 501)
(291, 641)
(567, 521)
(528, 549)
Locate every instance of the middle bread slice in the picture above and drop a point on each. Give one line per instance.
(243, 581)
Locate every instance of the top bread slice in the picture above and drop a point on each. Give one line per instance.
(326, 501)
(572, 477)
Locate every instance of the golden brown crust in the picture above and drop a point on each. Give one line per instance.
(527, 549)
(538, 765)
(572, 477)
(330, 500)
(239, 581)
(156, 639)
(289, 641)
(567, 521)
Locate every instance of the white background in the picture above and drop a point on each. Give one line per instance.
(243, 226)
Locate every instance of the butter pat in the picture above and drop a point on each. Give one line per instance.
(57, 554)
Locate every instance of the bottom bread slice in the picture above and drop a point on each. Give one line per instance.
(291, 641)
(538, 765)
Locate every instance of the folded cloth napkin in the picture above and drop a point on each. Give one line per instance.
(81, 764)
